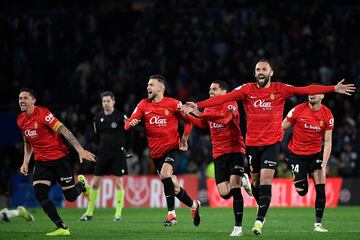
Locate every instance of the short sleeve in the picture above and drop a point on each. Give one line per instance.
(292, 115)
(329, 124)
(49, 120)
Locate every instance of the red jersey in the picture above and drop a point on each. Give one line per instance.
(39, 129)
(264, 108)
(309, 127)
(161, 124)
(225, 132)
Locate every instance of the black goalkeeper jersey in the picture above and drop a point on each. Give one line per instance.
(110, 133)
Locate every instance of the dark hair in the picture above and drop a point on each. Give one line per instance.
(267, 61)
(30, 91)
(160, 78)
(223, 85)
(108, 93)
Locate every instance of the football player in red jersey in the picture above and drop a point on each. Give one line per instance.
(228, 150)
(41, 133)
(160, 116)
(312, 123)
(264, 105)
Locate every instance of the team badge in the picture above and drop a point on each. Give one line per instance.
(35, 125)
(113, 124)
(166, 112)
(272, 96)
(321, 122)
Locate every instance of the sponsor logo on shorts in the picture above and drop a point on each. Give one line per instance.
(66, 179)
(239, 167)
(318, 161)
(168, 159)
(270, 163)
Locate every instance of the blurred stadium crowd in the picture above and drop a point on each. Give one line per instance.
(70, 53)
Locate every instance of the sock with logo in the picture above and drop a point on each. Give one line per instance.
(41, 194)
(320, 201)
(264, 201)
(92, 201)
(238, 205)
(169, 191)
(119, 201)
(184, 197)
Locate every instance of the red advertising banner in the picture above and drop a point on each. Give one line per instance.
(283, 194)
(140, 191)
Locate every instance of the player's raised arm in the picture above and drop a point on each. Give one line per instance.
(340, 88)
(235, 95)
(83, 154)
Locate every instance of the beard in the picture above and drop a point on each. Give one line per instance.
(151, 96)
(262, 80)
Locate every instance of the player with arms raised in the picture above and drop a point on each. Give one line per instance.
(264, 105)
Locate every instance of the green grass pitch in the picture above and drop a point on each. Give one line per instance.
(216, 223)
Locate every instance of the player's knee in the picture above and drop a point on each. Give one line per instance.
(41, 192)
(71, 194)
(164, 175)
(301, 187)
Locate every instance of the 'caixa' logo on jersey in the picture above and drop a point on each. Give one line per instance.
(30, 133)
(158, 121)
(262, 104)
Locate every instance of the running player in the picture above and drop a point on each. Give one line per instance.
(228, 150)
(312, 123)
(160, 116)
(41, 132)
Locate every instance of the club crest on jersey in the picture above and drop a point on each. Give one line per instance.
(321, 122)
(36, 125)
(272, 96)
(166, 112)
(113, 125)
(232, 108)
